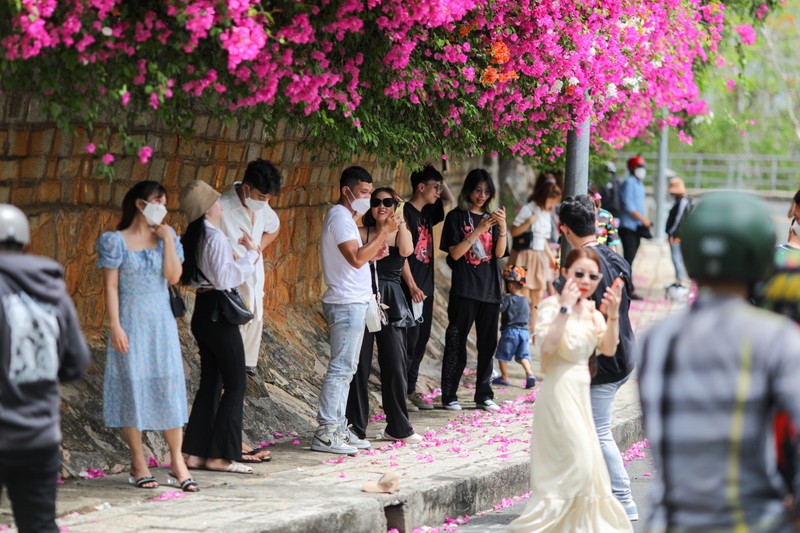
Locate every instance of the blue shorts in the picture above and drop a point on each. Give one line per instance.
(514, 345)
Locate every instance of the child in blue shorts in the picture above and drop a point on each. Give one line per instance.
(514, 336)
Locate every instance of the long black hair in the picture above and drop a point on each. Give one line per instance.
(192, 241)
(368, 221)
(141, 191)
(471, 182)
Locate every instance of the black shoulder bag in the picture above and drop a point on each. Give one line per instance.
(231, 306)
(176, 302)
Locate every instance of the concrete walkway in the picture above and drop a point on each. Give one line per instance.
(467, 463)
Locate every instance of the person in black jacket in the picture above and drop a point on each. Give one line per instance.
(577, 225)
(680, 209)
(41, 346)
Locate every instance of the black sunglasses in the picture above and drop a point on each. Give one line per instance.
(594, 277)
(376, 202)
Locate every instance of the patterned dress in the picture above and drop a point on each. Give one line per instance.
(146, 387)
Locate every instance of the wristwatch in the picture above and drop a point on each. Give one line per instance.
(565, 310)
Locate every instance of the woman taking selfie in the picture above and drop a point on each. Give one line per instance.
(144, 386)
(391, 342)
(213, 437)
(569, 479)
(474, 237)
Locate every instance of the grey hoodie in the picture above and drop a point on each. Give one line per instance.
(41, 345)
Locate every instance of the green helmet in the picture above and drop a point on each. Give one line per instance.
(728, 236)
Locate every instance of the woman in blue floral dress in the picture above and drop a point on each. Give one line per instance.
(144, 386)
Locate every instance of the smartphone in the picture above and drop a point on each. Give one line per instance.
(617, 282)
(400, 206)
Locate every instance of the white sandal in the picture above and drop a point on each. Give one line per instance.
(234, 468)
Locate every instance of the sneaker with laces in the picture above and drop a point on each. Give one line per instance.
(420, 402)
(414, 438)
(530, 382)
(329, 441)
(453, 406)
(488, 405)
(632, 511)
(354, 440)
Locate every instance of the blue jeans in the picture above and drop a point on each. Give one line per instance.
(602, 410)
(346, 324)
(677, 262)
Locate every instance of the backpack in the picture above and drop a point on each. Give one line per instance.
(611, 196)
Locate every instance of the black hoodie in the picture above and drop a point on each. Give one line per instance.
(41, 345)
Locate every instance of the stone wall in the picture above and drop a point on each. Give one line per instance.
(48, 174)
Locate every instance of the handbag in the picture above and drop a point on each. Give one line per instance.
(376, 311)
(644, 232)
(522, 241)
(176, 302)
(231, 306)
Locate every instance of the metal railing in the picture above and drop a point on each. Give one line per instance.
(729, 171)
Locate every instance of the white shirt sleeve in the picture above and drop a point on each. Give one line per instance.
(343, 228)
(524, 214)
(218, 265)
(272, 222)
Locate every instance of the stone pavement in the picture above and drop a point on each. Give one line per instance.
(467, 463)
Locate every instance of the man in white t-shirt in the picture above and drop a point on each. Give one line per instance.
(346, 271)
(245, 209)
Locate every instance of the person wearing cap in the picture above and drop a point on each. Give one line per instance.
(712, 377)
(515, 314)
(144, 385)
(677, 214)
(633, 224)
(607, 232)
(213, 438)
(41, 346)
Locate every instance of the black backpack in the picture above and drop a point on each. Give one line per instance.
(612, 196)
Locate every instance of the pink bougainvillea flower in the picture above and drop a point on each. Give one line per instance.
(91, 148)
(108, 159)
(144, 156)
(747, 33)
(151, 461)
(125, 98)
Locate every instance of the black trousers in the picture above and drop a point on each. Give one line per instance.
(630, 244)
(30, 477)
(462, 313)
(215, 424)
(417, 341)
(392, 360)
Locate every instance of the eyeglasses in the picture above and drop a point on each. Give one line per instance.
(376, 202)
(483, 192)
(594, 277)
(435, 186)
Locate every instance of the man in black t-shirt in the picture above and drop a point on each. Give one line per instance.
(422, 213)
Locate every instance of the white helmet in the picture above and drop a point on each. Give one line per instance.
(14, 226)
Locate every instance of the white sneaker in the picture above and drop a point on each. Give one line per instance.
(453, 406)
(488, 405)
(353, 440)
(414, 438)
(331, 442)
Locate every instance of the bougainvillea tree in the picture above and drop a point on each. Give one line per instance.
(404, 79)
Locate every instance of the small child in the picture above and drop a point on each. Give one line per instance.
(514, 335)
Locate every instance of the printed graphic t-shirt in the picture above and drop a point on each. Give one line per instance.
(473, 277)
(420, 224)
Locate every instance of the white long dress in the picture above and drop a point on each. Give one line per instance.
(571, 490)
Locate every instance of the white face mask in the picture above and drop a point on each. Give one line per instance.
(255, 205)
(640, 173)
(359, 205)
(796, 228)
(154, 213)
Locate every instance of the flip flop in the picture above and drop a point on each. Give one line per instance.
(142, 481)
(235, 468)
(248, 454)
(255, 451)
(187, 485)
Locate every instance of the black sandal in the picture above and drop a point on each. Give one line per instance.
(142, 481)
(187, 485)
(256, 451)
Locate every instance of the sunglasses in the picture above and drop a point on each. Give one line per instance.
(594, 277)
(483, 192)
(376, 202)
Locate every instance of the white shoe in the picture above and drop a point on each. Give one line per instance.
(488, 405)
(453, 406)
(414, 438)
(331, 442)
(354, 440)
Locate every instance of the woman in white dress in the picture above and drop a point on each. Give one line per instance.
(570, 486)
